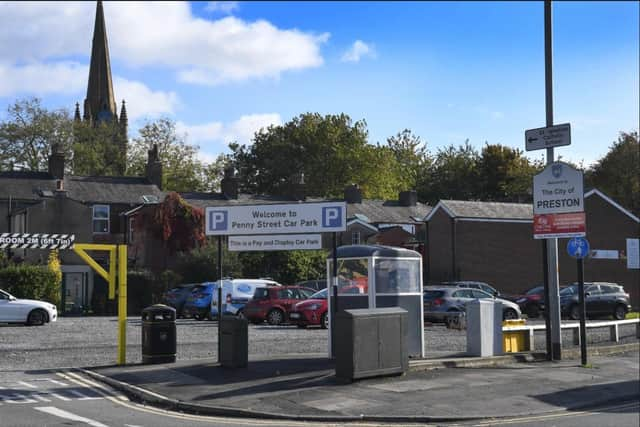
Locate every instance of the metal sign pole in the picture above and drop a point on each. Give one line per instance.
(552, 308)
(583, 313)
(219, 299)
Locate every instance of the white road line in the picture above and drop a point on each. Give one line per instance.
(40, 397)
(26, 384)
(56, 382)
(52, 410)
(16, 398)
(82, 396)
(59, 396)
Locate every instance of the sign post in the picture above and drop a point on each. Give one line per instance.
(578, 248)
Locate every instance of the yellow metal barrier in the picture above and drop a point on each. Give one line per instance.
(110, 277)
(513, 341)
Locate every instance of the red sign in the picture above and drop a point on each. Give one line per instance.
(551, 226)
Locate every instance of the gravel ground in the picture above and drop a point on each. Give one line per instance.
(92, 341)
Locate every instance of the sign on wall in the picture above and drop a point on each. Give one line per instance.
(276, 219)
(36, 241)
(278, 242)
(633, 254)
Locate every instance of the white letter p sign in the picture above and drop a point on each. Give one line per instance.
(217, 220)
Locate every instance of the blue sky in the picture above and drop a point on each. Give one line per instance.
(449, 71)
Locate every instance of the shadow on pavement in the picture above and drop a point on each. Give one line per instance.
(580, 397)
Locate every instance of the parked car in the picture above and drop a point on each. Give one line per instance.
(601, 298)
(316, 285)
(531, 302)
(198, 302)
(442, 302)
(273, 304)
(312, 311)
(474, 285)
(236, 293)
(177, 297)
(27, 311)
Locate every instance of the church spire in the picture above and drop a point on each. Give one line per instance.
(100, 103)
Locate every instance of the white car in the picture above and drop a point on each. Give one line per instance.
(27, 311)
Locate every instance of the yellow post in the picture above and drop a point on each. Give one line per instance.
(112, 272)
(122, 304)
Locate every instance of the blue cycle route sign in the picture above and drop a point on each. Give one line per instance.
(578, 247)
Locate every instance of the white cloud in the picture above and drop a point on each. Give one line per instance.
(214, 137)
(359, 50)
(163, 34)
(142, 102)
(43, 78)
(226, 7)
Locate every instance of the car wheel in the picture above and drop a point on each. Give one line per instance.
(275, 317)
(574, 312)
(533, 310)
(37, 317)
(509, 314)
(324, 321)
(620, 313)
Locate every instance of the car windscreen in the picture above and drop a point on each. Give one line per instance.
(535, 291)
(319, 295)
(569, 290)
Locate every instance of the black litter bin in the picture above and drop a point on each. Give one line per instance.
(234, 342)
(159, 334)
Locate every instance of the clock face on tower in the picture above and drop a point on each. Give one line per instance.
(104, 116)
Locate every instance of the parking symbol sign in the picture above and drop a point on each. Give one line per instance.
(332, 216)
(218, 220)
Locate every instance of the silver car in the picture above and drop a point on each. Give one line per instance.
(443, 302)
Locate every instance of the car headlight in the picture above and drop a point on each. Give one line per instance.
(314, 306)
(521, 300)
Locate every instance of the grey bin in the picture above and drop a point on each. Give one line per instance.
(371, 342)
(159, 334)
(234, 342)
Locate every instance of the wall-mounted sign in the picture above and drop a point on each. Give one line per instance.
(633, 254)
(279, 242)
(276, 219)
(604, 254)
(36, 241)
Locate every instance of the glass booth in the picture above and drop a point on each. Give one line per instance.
(375, 277)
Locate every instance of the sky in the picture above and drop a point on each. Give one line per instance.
(448, 71)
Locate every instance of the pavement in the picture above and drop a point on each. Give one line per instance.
(304, 387)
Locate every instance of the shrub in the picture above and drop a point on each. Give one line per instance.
(30, 281)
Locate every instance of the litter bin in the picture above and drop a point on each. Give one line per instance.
(159, 334)
(234, 341)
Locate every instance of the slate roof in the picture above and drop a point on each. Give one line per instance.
(389, 211)
(85, 189)
(487, 210)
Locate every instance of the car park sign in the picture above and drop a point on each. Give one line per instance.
(276, 219)
(280, 242)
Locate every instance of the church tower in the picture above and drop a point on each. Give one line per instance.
(100, 104)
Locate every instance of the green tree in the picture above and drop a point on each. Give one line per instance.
(411, 155)
(505, 174)
(452, 175)
(618, 173)
(329, 151)
(182, 171)
(29, 132)
(96, 151)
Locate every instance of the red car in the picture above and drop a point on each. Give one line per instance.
(274, 304)
(312, 311)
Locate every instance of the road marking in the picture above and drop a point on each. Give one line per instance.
(52, 410)
(16, 398)
(40, 397)
(82, 396)
(26, 384)
(66, 399)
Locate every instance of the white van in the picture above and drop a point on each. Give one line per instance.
(236, 293)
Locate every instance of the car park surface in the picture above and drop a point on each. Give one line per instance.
(601, 299)
(27, 311)
(274, 304)
(440, 303)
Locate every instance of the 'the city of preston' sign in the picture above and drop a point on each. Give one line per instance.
(558, 189)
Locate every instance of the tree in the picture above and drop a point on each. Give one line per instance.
(411, 156)
(618, 173)
(330, 151)
(505, 174)
(182, 171)
(452, 175)
(30, 131)
(96, 151)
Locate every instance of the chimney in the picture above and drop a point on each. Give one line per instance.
(56, 162)
(408, 198)
(298, 187)
(153, 170)
(229, 183)
(353, 194)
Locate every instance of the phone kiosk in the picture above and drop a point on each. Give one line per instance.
(372, 276)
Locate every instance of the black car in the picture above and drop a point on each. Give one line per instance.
(601, 299)
(176, 297)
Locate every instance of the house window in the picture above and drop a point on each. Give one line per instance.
(355, 238)
(100, 219)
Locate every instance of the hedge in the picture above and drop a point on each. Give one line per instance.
(31, 282)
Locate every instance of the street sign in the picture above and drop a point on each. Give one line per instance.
(562, 225)
(578, 247)
(558, 189)
(36, 241)
(276, 219)
(633, 254)
(280, 242)
(552, 136)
